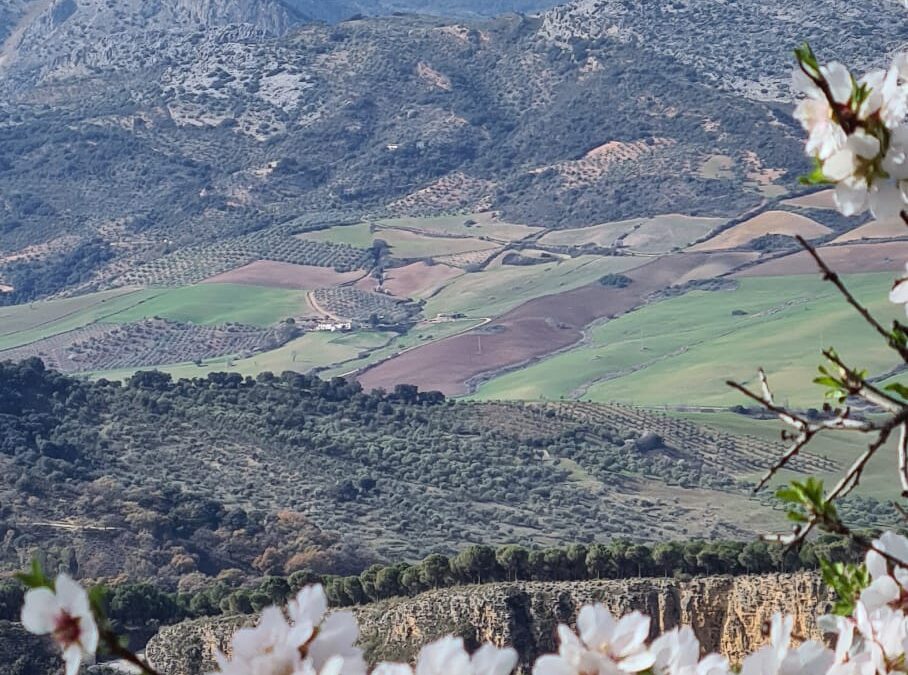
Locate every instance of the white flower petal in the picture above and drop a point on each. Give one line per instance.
(72, 657)
(864, 145)
(637, 663)
(71, 595)
(886, 199)
(392, 669)
(881, 592)
(596, 626)
(840, 165)
(899, 295)
(443, 657)
(309, 606)
(490, 660)
(40, 610)
(839, 80)
(850, 198)
(551, 664)
(802, 84)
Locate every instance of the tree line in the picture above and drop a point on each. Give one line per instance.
(140, 605)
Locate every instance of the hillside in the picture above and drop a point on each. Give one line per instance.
(237, 129)
(272, 475)
(211, 186)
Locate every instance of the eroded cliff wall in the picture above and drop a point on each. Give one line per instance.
(727, 614)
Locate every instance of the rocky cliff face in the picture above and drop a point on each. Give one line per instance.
(727, 614)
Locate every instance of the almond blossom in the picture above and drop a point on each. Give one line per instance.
(308, 644)
(815, 113)
(448, 656)
(605, 645)
(65, 614)
(886, 587)
(778, 658)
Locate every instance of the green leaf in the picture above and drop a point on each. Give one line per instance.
(97, 600)
(847, 581)
(898, 388)
(808, 61)
(35, 578)
(816, 175)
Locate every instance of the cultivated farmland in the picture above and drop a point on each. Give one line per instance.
(768, 222)
(215, 304)
(354, 304)
(147, 343)
(781, 324)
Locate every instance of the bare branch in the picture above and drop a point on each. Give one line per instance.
(832, 277)
(806, 430)
(865, 389)
(903, 458)
(853, 477)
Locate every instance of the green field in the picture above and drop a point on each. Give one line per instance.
(482, 225)
(23, 324)
(215, 304)
(497, 289)
(681, 350)
(647, 235)
(312, 350)
(403, 244)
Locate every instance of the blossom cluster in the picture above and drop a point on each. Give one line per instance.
(307, 639)
(856, 133)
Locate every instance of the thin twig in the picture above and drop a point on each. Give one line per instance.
(834, 278)
(853, 477)
(112, 643)
(864, 388)
(806, 429)
(903, 458)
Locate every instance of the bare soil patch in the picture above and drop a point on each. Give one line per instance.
(878, 229)
(770, 222)
(418, 280)
(816, 200)
(846, 259)
(285, 275)
(532, 330)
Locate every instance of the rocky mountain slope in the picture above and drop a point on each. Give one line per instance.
(726, 613)
(741, 46)
(155, 126)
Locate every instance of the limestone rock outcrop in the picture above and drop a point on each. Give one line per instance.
(727, 613)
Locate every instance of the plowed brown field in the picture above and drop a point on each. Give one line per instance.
(285, 275)
(846, 259)
(532, 330)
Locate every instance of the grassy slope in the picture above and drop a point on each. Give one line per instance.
(219, 303)
(496, 290)
(23, 324)
(309, 351)
(403, 244)
(842, 447)
(681, 350)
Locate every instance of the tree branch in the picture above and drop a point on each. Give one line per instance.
(834, 278)
(112, 642)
